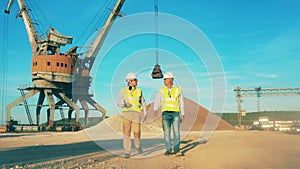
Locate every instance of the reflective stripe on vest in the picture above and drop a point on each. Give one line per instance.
(170, 99)
(133, 97)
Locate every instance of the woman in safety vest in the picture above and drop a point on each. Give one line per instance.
(132, 102)
(170, 102)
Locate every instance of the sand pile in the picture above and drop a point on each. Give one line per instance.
(197, 118)
(116, 123)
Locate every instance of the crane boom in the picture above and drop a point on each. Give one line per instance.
(32, 35)
(7, 10)
(39, 47)
(95, 48)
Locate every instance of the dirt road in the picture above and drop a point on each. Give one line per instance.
(224, 149)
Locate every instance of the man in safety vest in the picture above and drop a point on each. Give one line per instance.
(170, 102)
(133, 105)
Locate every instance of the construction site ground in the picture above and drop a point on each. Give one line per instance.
(224, 149)
(100, 146)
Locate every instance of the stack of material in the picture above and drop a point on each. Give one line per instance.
(3, 129)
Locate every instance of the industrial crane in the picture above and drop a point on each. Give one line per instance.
(258, 92)
(63, 75)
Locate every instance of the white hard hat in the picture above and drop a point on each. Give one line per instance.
(130, 76)
(168, 75)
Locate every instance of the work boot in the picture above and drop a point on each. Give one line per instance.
(127, 155)
(168, 153)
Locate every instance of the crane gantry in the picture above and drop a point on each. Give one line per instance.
(63, 75)
(260, 92)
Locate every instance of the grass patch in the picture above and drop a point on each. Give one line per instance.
(232, 118)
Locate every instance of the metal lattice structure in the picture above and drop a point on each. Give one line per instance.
(55, 74)
(260, 92)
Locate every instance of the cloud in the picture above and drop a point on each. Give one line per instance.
(271, 76)
(106, 84)
(210, 74)
(234, 77)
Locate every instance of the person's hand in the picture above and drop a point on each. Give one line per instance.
(127, 104)
(181, 118)
(155, 113)
(144, 117)
(149, 107)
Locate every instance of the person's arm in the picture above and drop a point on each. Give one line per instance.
(157, 104)
(182, 112)
(182, 104)
(144, 105)
(120, 102)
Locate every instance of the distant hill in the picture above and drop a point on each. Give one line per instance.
(197, 115)
(232, 118)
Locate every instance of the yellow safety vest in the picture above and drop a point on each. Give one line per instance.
(170, 99)
(133, 97)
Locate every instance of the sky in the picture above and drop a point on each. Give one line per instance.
(211, 46)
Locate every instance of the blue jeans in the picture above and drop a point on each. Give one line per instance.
(171, 119)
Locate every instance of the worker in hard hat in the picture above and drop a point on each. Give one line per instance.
(170, 101)
(133, 105)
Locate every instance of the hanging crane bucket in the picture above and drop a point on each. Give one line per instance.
(157, 73)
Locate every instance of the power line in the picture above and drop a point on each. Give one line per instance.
(4, 67)
(96, 23)
(39, 18)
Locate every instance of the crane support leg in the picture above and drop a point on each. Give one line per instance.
(51, 110)
(239, 108)
(58, 106)
(97, 106)
(86, 111)
(39, 107)
(72, 105)
(17, 102)
(75, 99)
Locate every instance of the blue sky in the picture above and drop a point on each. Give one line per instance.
(257, 43)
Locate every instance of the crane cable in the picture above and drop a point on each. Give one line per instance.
(4, 67)
(157, 72)
(156, 30)
(96, 22)
(37, 15)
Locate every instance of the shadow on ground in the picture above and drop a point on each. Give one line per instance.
(43, 153)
